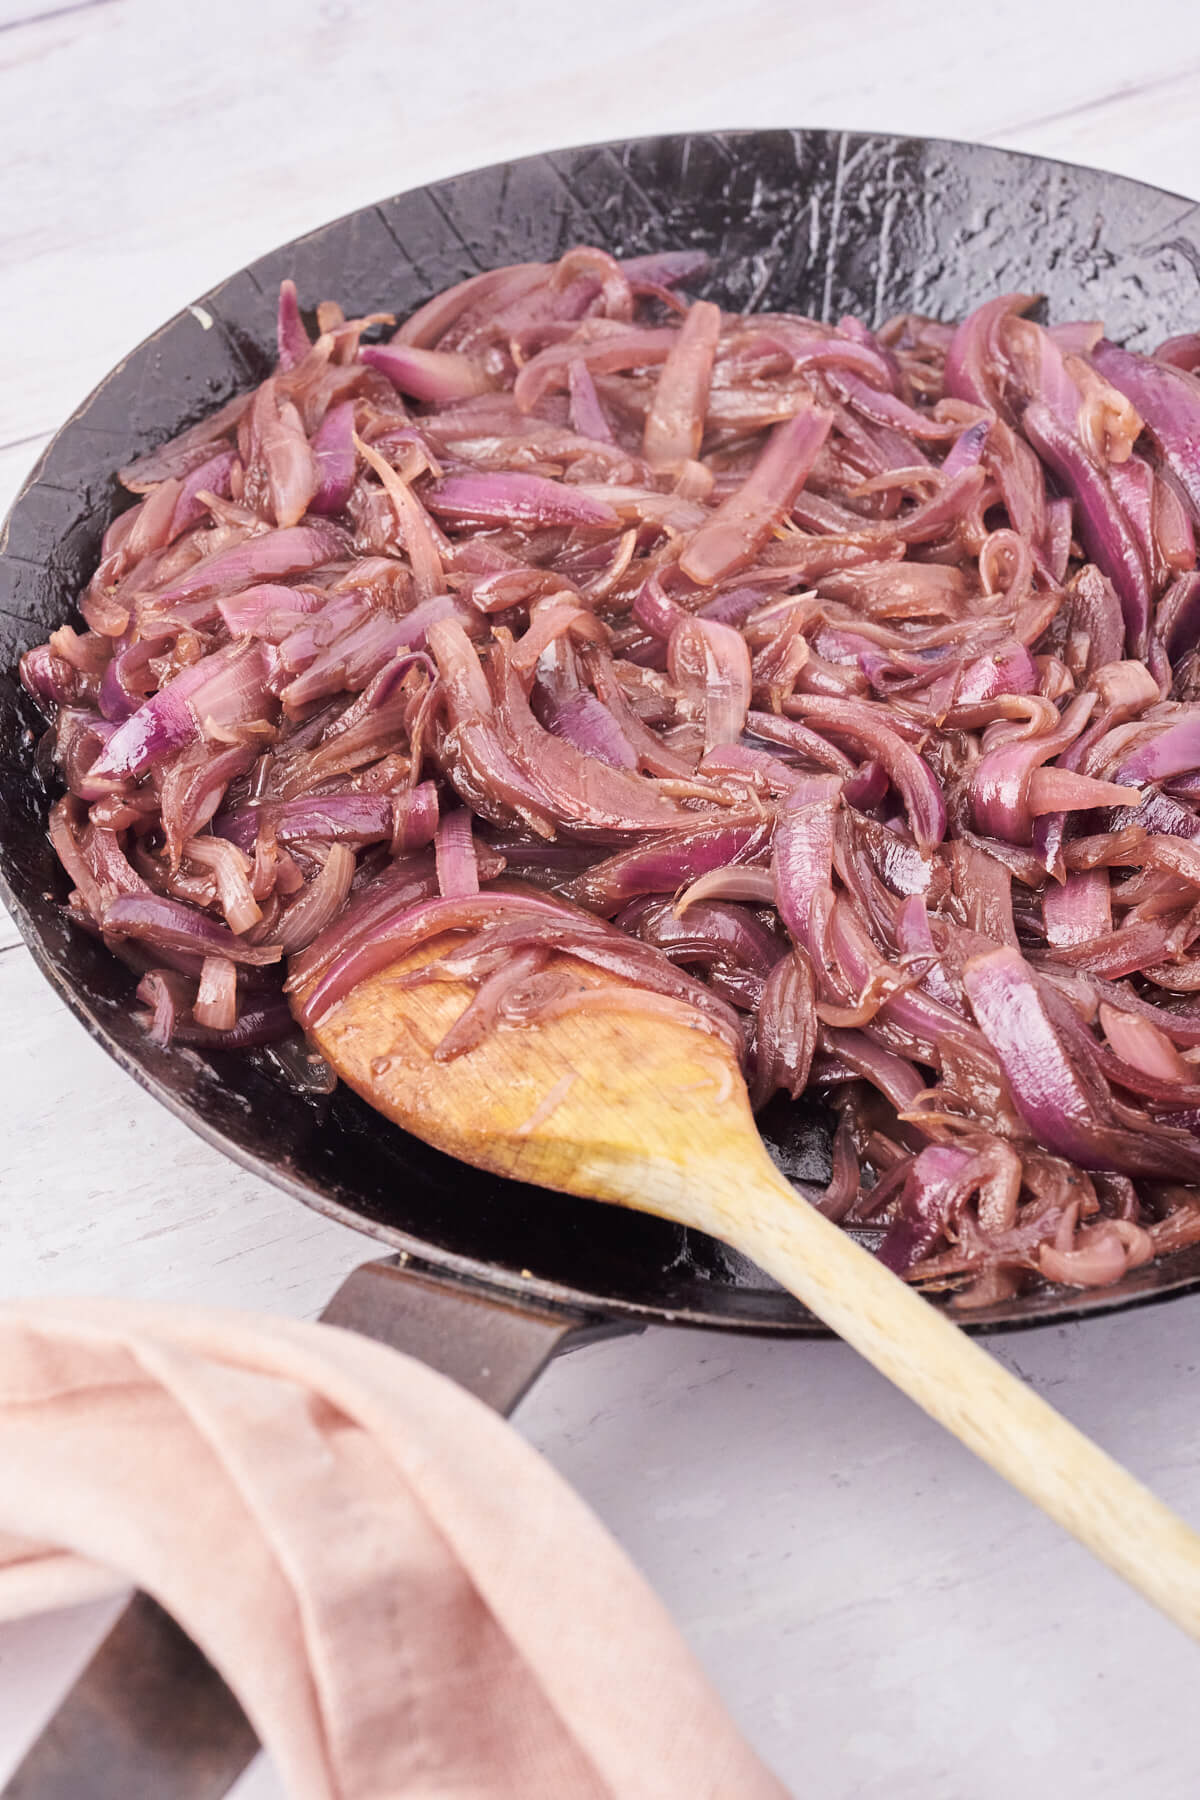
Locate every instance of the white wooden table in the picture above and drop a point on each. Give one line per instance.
(882, 1616)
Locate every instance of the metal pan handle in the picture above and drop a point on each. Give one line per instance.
(150, 1714)
(487, 1339)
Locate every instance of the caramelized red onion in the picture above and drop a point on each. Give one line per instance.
(838, 691)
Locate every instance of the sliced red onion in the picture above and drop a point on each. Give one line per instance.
(967, 449)
(713, 932)
(1096, 611)
(438, 376)
(1057, 539)
(586, 691)
(547, 921)
(399, 886)
(172, 925)
(504, 763)
(1140, 1042)
(759, 767)
(48, 677)
(265, 558)
(416, 818)
(911, 776)
(742, 523)
(807, 744)
(733, 882)
(667, 268)
(1177, 617)
(1132, 483)
(431, 322)
(279, 456)
(922, 1018)
(605, 948)
(715, 659)
(895, 1078)
(929, 1191)
(263, 1020)
(1060, 1101)
(809, 346)
(293, 341)
(1173, 751)
(664, 866)
(230, 870)
(1173, 532)
(1078, 909)
(1182, 352)
(184, 452)
(169, 996)
(588, 416)
(358, 655)
(949, 505)
(355, 819)
(1007, 669)
(786, 1032)
(215, 1005)
(1001, 779)
(1168, 400)
(487, 1008)
(454, 849)
(735, 605)
(528, 500)
(802, 862)
(866, 788)
(165, 722)
(210, 477)
(624, 348)
(1077, 337)
(333, 454)
(887, 409)
(268, 610)
(1103, 527)
(656, 611)
(976, 367)
(427, 549)
(675, 422)
(1021, 480)
(319, 902)
(588, 724)
(1056, 790)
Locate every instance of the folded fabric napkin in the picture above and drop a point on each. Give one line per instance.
(405, 1597)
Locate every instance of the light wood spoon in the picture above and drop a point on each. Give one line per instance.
(653, 1114)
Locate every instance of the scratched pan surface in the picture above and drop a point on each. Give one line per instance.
(819, 221)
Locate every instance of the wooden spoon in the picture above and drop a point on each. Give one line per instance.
(652, 1113)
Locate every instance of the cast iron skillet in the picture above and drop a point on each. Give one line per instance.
(825, 222)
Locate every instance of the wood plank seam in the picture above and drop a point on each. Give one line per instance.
(56, 12)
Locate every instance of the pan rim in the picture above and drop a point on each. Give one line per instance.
(453, 1268)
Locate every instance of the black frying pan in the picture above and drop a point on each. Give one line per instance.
(821, 221)
(493, 1276)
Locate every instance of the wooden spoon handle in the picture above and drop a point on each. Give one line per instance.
(962, 1387)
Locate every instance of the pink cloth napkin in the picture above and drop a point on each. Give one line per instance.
(405, 1597)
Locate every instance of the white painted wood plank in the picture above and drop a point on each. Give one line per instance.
(147, 1208)
(19, 15)
(161, 161)
(882, 1617)
(1148, 132)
